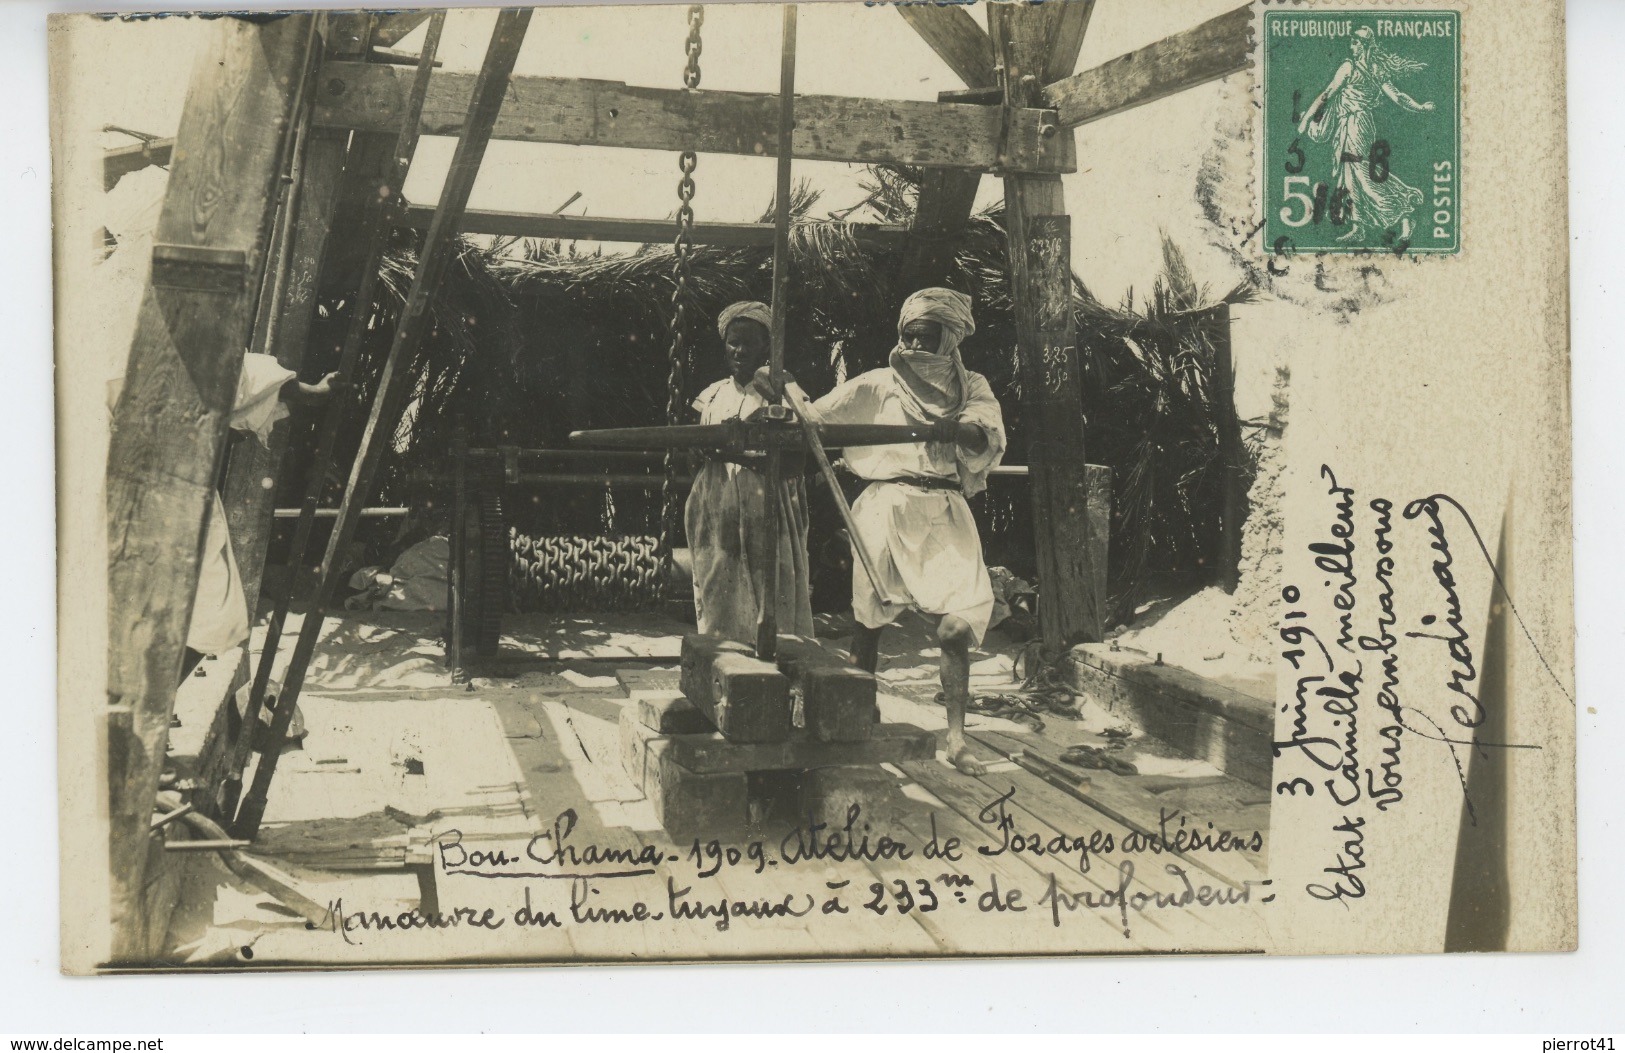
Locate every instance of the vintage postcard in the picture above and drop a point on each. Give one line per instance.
(762, 482)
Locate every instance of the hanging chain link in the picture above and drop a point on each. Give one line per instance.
(693, 46)
(571, 573)
(682, 247)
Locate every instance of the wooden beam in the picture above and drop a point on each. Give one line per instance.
(1071, 604)
(609, 113)
(390, 30)
(250, 493)
(170, 422)
(956, 38)
(767, 626)
(1070, 27)
(946, 195)
(637, 231)
(122, 160)
(946, 198)
(1216, 48)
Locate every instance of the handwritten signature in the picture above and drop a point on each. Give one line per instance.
(1336, 746)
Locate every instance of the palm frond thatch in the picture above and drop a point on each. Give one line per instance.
(532, 339)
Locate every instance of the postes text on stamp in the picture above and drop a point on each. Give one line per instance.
(1362, 131)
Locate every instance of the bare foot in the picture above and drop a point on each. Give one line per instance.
(965, 761)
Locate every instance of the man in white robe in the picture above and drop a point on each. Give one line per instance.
(220, 610)
(913, 518)
(727, 505)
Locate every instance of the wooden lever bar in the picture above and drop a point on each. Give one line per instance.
(810, 430)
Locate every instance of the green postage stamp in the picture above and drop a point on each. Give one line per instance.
(1362, 131)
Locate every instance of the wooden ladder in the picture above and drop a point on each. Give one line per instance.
(484, 105)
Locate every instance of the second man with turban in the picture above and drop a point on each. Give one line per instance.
(725, 508)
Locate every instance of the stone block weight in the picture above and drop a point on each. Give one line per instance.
(746, 700)
(837, 698)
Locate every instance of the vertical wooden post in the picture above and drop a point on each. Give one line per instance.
(1071, 608)
(171, 420)
(767, 629)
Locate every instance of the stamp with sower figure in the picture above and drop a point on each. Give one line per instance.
(1362, 132)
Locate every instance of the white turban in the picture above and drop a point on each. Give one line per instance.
(935, 383)
(947, 308)
(754, 310)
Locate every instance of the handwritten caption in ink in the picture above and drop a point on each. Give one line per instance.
(618, 885)
(1375, 675)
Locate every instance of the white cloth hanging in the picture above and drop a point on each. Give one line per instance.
(220, 610)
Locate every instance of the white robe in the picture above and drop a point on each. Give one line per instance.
(925, 545)
(724, 518)
(220, 610)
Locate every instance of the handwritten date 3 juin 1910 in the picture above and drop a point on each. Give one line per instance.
(1380, 665)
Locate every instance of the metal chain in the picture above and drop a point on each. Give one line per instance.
(609, 511)
(682, 248)
(693, 46)
(563, 573)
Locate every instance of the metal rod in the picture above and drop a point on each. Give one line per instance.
(484, 104)
(377, 224)
(652, 458)
(204, 846)
(289, 218)
(753, 435)
(456, 580)
(332, 513)
(292, 144)
(169, 817)
(767, 633)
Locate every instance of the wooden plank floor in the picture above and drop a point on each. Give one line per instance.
(528, 765)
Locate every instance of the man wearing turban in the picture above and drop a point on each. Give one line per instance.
(726, 505)
(913, 518)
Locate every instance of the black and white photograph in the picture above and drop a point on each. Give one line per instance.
(755, 482)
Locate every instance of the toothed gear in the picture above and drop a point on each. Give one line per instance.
(486, 554)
